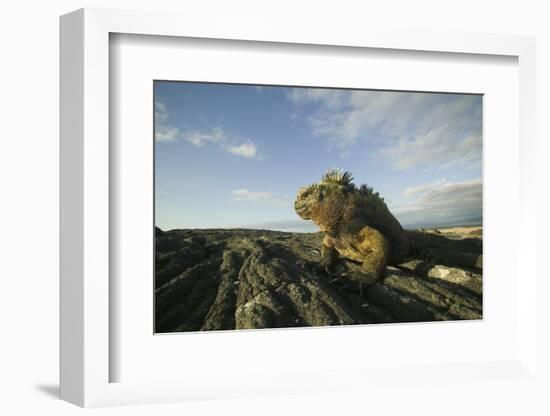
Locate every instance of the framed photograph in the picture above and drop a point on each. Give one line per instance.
(233, 249)
(292, 208)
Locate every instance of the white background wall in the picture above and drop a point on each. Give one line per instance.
(29, 56)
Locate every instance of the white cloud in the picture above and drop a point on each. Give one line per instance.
(410, 129)
(166, 133)
(161, 114)
(441, 202)
(328, 97)
(432, 147)
(250, 196)
(421, 189)
(200, 138)
(246, 150)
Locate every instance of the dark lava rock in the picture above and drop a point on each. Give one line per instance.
(238, 279)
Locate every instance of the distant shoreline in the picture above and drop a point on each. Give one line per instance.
(441, 228)
(457, 226)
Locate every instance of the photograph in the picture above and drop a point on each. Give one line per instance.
(303, 206)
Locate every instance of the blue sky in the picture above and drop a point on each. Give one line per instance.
(235, 155)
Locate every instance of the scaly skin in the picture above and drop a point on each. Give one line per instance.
(357, 225)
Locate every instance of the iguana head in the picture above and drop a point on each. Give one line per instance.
(308, 198)
(322, 202)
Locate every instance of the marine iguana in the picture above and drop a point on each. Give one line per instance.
(357, 224)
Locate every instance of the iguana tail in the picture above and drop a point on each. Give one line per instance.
(435, 248)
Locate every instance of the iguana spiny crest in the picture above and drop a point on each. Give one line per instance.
(325, 202)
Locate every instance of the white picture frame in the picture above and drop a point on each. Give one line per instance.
(85, 220)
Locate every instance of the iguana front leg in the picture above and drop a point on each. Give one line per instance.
(329, 255)
(376, 252)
